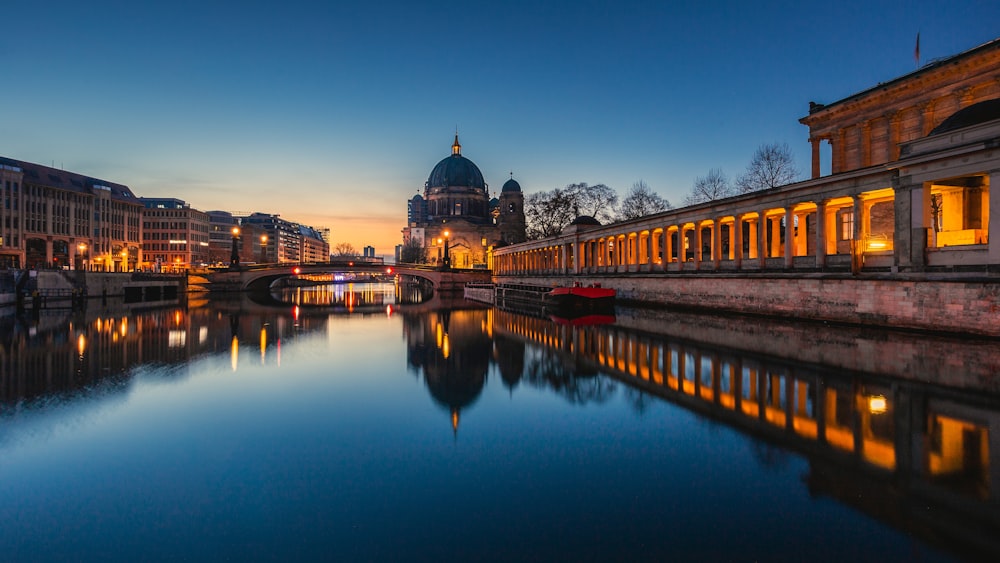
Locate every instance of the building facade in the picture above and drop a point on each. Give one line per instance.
(175, 237)
(455, 222)
(869, 128)
(52, 218)
(912, 233)
(314, 248)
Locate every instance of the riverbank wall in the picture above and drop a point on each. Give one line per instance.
(43, 289)
(969, 305)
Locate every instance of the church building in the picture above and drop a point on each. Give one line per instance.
(455, 222)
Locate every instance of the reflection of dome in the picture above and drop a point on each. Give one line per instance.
(511, 186)
(975, 114)
(586, 220)
(456, 171)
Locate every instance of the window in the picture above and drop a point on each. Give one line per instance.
(847, 226)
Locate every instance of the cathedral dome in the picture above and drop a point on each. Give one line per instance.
(456, 171)
(511, 186)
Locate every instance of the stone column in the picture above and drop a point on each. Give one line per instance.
(650, 258)
(927, 118)
(717, 244)
(681, 252)
(895, 134)
(736, 241)
(699, 244)
(789, 237)
(815, 142)
(866, 143)
(762, 236)
(821, 211)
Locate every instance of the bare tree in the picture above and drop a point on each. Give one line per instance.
(413, 253)
(772, 166)
(641, 201)
(709, 188)
(547, 213)
(598, 201)
(344, 249)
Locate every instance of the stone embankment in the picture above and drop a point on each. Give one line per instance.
(43, 289)
(955, 305)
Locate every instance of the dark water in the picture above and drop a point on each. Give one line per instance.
(356, 427)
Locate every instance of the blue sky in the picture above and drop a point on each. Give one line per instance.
(333, 113)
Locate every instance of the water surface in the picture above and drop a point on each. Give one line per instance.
(354, 427)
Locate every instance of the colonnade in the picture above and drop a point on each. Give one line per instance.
(743, 234)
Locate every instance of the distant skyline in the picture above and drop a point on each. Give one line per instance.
(334, 115)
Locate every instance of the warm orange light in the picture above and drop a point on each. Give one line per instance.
(877, 404)
(236, 231)
(263, 344)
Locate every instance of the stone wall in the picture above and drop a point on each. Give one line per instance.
(971, 307)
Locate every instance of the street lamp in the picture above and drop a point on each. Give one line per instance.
(447, 259)
(82, 247)
(263, 249)
(125, 260)
(234, 256)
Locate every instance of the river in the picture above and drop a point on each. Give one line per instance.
(355, 422)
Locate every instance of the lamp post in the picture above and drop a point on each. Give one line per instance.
(234, 256)
(447, 259)
(82, 247)
(125, 260)
(263, 249)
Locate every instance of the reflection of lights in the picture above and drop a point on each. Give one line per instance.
(98, 323)
(388, 310)
(295, 313)
(263, 343)
(176, 338)
(123, 327)
(439, 336)
(446, 348)
(234, 352)
(81, 344)
(877, 404)
(177, 317)
(202, 335)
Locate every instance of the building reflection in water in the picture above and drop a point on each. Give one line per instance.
(889, 442)
(69, 353)
(889, 447)
(452, 351)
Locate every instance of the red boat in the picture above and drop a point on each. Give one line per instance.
(581, 297)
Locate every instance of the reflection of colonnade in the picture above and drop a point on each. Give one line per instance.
(946, 445)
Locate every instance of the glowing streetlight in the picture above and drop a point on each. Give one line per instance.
(263, 249)
(82, 247)
(447, 259)
(234, 256)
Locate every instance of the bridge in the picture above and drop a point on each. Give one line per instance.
(261, 276)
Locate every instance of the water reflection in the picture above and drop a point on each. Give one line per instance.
(879, 431)
(889, 447)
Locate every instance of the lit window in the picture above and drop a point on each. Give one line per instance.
(847, 226)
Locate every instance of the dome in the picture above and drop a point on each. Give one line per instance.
(586, 220)
(973, 115)
(511, 186)
(456, 171)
